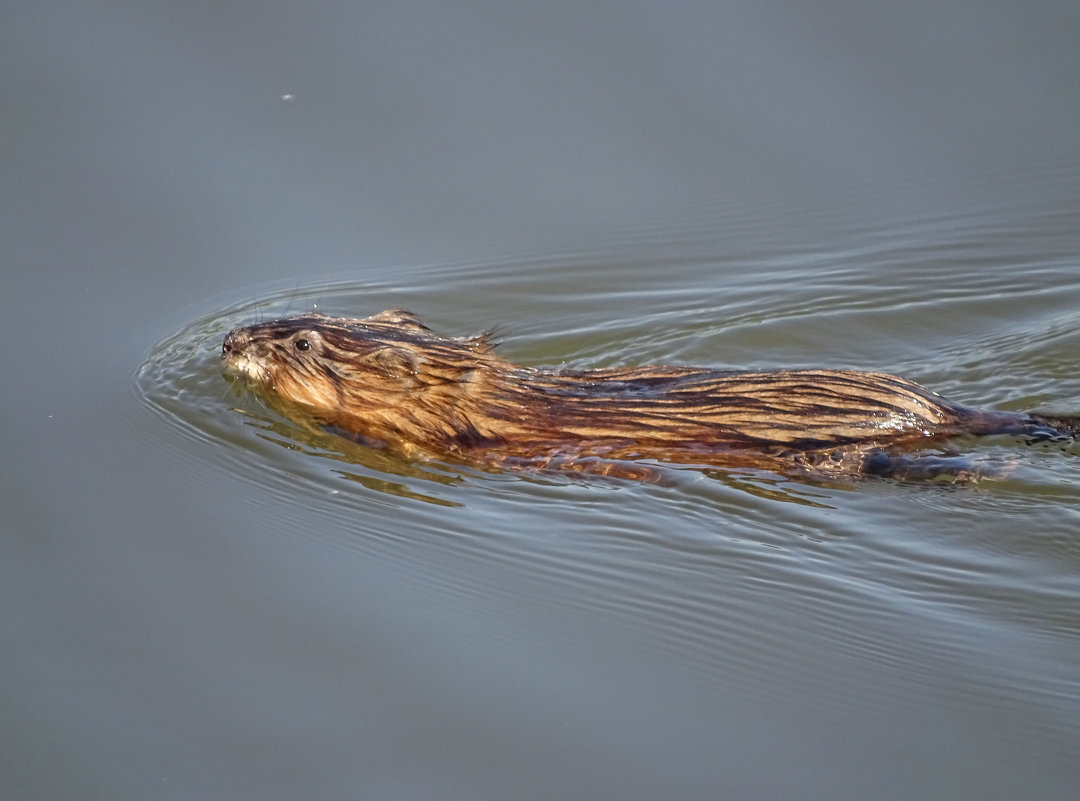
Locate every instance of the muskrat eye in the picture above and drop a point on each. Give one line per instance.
(303, 344)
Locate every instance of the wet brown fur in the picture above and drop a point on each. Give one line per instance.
(388, 381)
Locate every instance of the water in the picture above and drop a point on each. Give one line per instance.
(200, 601)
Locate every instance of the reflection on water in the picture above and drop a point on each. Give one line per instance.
(315, 443)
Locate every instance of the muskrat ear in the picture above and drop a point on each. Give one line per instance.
(484, 342)
(398, 362)
(401, 317)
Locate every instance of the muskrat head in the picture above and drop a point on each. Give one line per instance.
(373, 370)
(312, 359)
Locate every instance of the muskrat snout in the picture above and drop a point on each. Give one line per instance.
(241, 357)
(235, 342)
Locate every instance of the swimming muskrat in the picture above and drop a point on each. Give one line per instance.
(387, 381)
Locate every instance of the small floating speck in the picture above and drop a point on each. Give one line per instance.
(288, 96)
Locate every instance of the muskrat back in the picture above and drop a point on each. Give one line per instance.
(388, 381)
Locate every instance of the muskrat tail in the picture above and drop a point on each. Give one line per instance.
(1053, 426)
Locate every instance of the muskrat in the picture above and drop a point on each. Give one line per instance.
(387, 381)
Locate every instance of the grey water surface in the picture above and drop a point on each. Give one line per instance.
(195, 602)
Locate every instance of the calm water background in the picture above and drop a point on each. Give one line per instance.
(195, 605)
